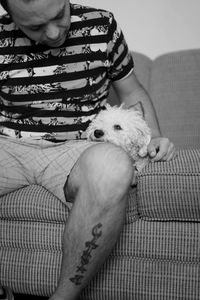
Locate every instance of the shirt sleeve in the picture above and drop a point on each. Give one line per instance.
(120, 59)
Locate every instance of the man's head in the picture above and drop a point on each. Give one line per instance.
(44, 21)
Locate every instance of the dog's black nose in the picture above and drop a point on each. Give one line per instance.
(98, 133)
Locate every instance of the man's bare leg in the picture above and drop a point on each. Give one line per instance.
(98, 185)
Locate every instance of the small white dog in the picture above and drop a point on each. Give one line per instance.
(123, 127)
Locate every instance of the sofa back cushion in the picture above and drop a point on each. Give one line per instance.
(175, 92)
(142, 68)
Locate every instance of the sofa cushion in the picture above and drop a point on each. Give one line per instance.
(142, 68)
(150, 258)
(171, 190)
(35, 203)
(157, 261)
(175, 92)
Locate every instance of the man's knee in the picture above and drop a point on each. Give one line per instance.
(105, 170)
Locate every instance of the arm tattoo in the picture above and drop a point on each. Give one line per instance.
(86, 256)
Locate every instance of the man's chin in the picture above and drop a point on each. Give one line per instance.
(54, 44)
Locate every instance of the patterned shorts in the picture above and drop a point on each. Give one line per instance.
(39, 162)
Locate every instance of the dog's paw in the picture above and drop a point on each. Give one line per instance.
(143, 151)
(141, 163)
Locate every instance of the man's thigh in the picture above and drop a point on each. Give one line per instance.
(56, 164)
(37, 162)
(15, 163)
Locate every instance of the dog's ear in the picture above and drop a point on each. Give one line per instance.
(138, 107)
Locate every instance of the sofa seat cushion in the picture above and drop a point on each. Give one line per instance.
(171, 190)
(35, 203)
(150, 258)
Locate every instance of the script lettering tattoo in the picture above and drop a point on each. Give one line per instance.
(86, 256)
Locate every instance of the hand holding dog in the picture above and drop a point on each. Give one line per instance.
(161, 149)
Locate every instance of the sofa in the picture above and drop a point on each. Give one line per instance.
(157, 256)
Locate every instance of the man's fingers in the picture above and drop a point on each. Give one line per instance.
(170, 153)
(152, 149)
(161, 149)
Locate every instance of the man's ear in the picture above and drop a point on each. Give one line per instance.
(138, 107)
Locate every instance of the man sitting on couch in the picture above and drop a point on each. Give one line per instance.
(57, 63)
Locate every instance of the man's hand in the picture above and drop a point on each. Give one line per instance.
(161, 149)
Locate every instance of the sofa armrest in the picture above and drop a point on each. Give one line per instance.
(171, 190)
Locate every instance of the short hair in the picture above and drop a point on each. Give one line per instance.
(5, 4)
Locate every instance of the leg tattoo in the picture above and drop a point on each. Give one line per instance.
(86, 256)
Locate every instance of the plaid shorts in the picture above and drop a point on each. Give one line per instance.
(39, 162)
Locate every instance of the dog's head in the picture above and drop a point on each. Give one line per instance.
(123, 127)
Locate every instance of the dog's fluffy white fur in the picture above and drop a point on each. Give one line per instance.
(123, 127)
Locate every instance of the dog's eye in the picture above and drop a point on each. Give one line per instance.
(117, 127)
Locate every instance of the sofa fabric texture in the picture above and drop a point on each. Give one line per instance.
(158, 253)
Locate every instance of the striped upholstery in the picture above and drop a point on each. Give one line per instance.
(175, 82)
(151, 258)
(158, 254)
(171, 191)
(152, 261)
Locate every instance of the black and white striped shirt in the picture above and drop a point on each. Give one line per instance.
(53, 93)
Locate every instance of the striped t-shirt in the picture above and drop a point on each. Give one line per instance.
(53, 93)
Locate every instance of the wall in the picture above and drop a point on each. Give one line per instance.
(154, 27)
